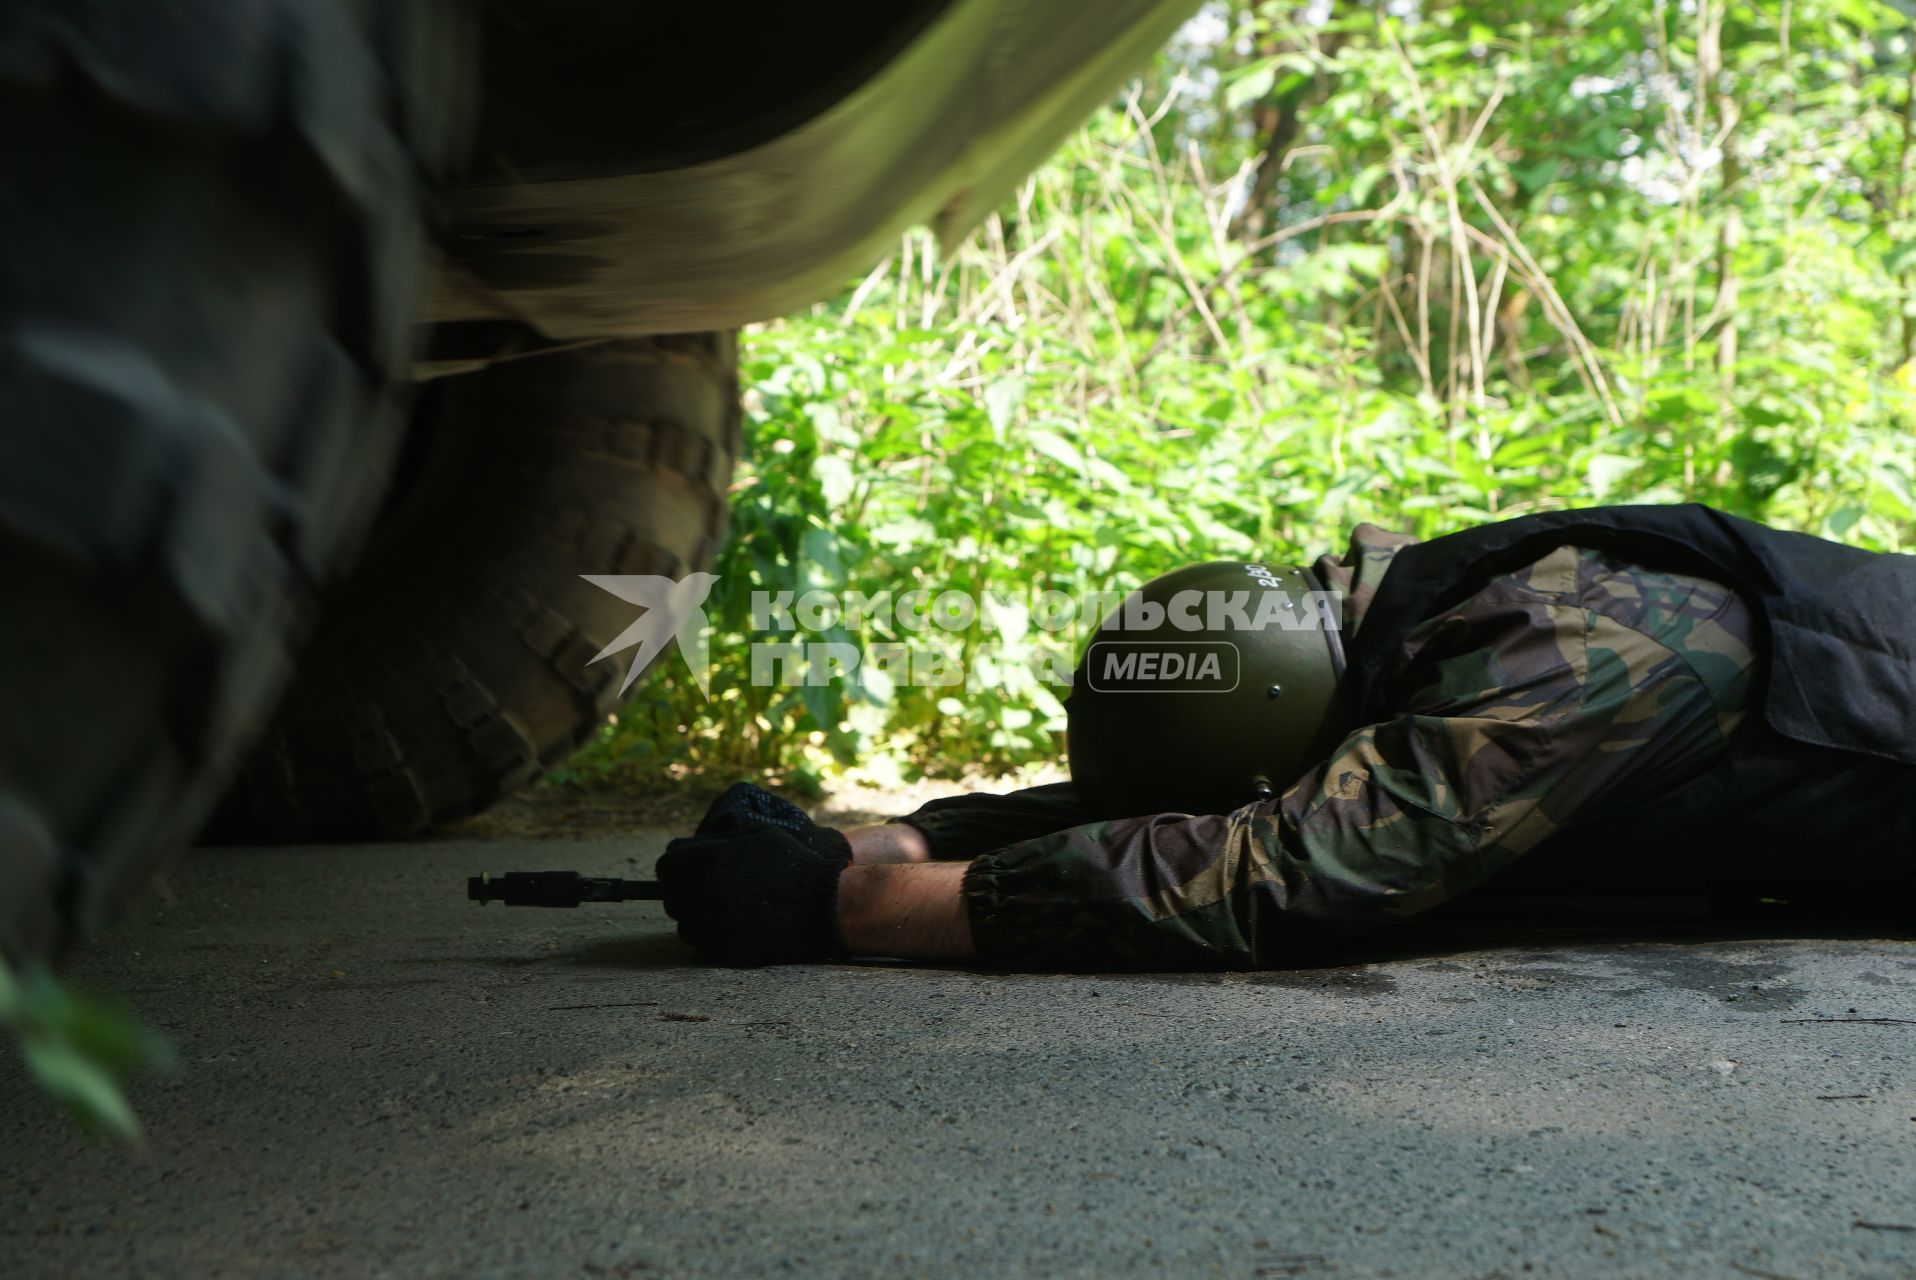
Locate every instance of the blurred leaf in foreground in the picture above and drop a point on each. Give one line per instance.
(80, 1049)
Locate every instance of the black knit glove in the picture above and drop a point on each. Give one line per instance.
(754, 896)
(745, 807)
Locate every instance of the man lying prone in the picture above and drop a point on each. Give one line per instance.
(1265, 761)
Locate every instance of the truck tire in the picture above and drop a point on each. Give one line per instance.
(453, 668)
(211, 228)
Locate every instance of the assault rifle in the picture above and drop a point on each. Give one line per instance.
(557, 889)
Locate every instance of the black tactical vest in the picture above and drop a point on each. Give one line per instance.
(1817, 790)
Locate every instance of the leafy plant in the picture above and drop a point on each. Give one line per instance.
(80, 1049)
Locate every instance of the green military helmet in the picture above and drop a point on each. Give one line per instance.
(1206, 689)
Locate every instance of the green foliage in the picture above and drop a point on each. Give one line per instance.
(81, 1050)
(1421, 271)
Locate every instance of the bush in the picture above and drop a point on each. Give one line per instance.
(1422, 273)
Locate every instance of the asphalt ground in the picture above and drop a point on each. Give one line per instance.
(380, 1079)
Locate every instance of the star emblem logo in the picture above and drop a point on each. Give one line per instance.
(673, 611)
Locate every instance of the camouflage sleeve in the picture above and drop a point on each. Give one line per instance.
(964, 826)
(1554, 695)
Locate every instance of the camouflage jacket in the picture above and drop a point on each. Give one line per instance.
(1556, 694)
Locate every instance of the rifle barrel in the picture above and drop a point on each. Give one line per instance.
(557, 889)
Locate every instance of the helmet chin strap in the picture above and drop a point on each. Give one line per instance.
(1262, 789)
(1333, 636)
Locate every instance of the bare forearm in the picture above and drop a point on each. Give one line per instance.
(910, 911)
(888, 842)
(960, 827)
